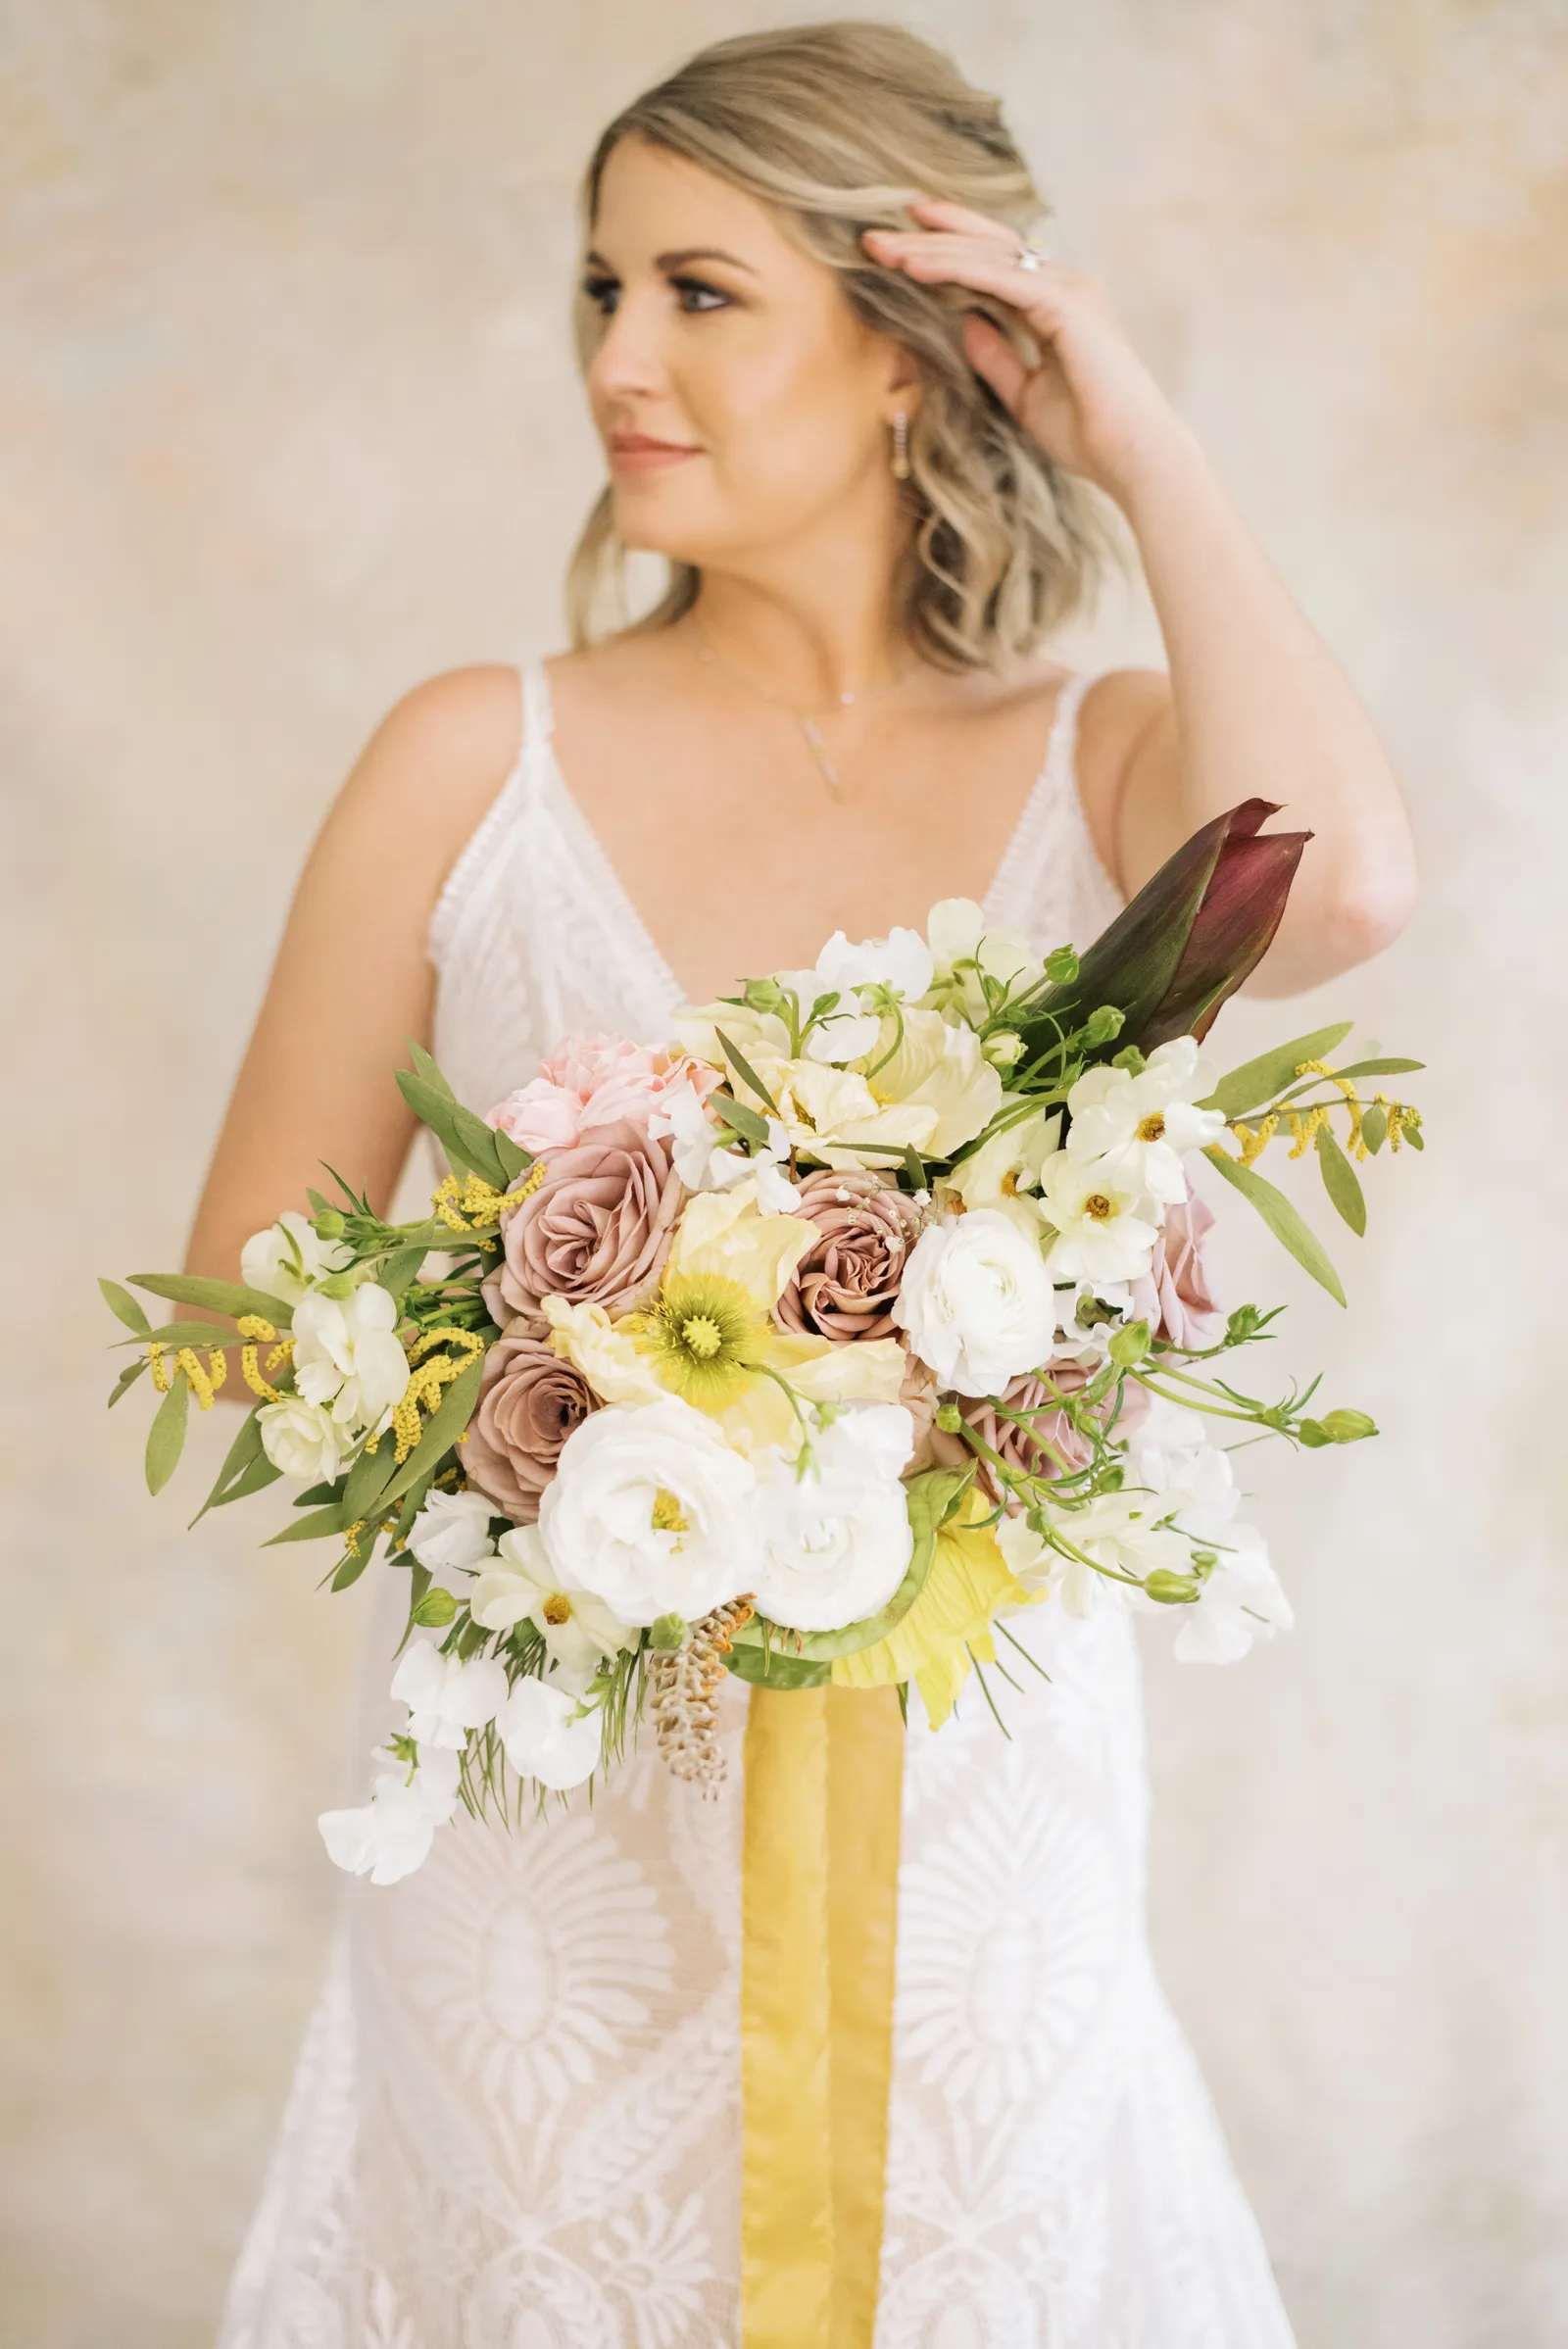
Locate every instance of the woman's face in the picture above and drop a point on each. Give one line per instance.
(741, 401)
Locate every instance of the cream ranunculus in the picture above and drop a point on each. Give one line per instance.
(608, 1356)
(830, 1113)
(653, 1512)
(728, 1232)
(347, 1356)
(1104, 1221)
(958, 932)
(301, 1439)
(977, 1303)
(283, 1260)
(521, 1582)
(837, 1541)
(938, 1066)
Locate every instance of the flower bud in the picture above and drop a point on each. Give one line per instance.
(667, 1631)
(1130, 1344)
(337, 1285)
(329, 1225)
(1004, 1049)
(1169, 1590)
(764, 995)
(1348, 1427)
(949, 1419)
(436, 1608)
(1102, 1024)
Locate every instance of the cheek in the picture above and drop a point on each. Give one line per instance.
(778, 413)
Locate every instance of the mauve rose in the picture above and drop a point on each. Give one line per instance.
(597, 1230)
(845, 1283)
(1014, 1444)
(530, 1402)
(1173, 1295)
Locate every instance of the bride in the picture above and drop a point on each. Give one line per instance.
(856, 412)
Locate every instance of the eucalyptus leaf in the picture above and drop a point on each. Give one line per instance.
(166, 1438)
(123, 1306)
(368, 1479)
(218, 1297)
(1284, 1220)
(1262, 1080)
(1384, 1067)
(1375, 1129)
(1339, 1181)
(315, 1527)
(400, 1271)
(425, 1067)
(241, 1454)
(467, 1140)
(441, 1431)
(185, 1333)
(254, 1479)
(737, 1114)
(350, 1567)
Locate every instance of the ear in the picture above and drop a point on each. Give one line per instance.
(903, 384)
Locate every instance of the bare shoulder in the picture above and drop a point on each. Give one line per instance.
(440, 755)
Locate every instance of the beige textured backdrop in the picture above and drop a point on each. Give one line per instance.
(287, 422)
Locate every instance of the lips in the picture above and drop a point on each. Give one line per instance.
(638, 453)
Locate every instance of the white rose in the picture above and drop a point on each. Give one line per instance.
(283, 1260)
(346, 1353)
(1101, 1213)
(301, 1439)
(391, 1835)
(452, 1531)
(651, 1510)
(837, 1541)
(977, 1303)
(541, 1738)
(446, 1697)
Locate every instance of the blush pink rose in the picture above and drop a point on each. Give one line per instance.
(596, 1230)
(530, 1399)
(595, 1080)
(1174, 1295)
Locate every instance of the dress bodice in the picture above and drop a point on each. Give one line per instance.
(535, 936)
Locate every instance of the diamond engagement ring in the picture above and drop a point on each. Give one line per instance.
(1030, 257)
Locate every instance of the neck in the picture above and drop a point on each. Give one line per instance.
(811, 631)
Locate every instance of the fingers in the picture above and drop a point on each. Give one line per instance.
(983, 264)
(994, 360)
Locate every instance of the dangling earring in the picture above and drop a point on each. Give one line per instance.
(900, 446)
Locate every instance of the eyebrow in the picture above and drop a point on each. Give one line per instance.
(678, 259)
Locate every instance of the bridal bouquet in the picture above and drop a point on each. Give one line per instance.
(818, 1342)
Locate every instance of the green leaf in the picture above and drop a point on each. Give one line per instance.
(400, 1271)
(1375, 1129)
(1338, 1180)
(425, 1067)
(1271, 1074)
(166, 1438)
(312, 1528)
(185, 1333)
(369, 1477)
(467, 1140)
(218, 1297)
(241, 1454)
(124, 1307)
(744, 1071)
(777, 1668)
(441, 1431)
(254, 1479)
(350, 1567)
(127, 1379)
(512, 1155)
(1378, 1068)
(1412, 1135)
(736, 1113)
(1283, 1220)
(914, 1168)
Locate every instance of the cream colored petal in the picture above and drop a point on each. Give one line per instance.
(608, 1356)
(726, 1232)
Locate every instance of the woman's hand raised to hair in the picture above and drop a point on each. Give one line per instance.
(1091, 404)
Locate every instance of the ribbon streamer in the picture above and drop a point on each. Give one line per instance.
(824, 1772)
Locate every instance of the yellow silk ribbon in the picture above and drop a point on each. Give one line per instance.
(819, 1914)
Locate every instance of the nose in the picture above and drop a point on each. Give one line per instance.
(628, 362)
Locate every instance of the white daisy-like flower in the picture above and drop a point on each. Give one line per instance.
(1101, 1216)
(1148, 1121)
(522, 1583)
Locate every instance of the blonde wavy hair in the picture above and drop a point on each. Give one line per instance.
(831, 126)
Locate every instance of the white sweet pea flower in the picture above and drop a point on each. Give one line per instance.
(1088, 1314)
(391, 1835)
(1100, 1215)
(958, 932)
(1119, 1531)
(702, 1163)
(901, 963)
(1147, 1121)
(1241, 1599)
(445, 1697)
(346, 1354)
(576, 1628)
(542, 1741)
(977, 1302)
(651, 1511)
(302, 1439)
(452, 1531)
(283, 1260)
(837, 1541)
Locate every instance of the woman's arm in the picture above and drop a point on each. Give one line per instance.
(1256, 706)
(352, 981)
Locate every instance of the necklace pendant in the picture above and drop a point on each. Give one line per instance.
(819, 751)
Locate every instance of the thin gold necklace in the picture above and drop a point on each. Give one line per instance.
(806, 719)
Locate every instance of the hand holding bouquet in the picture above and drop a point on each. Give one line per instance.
(865, 1313)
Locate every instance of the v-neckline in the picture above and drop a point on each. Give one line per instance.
(543, 747)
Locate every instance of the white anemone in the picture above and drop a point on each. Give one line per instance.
(1147, 1121)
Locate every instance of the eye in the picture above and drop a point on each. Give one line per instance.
(696, 295)
(602, 292)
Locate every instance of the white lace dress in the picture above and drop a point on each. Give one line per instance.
(515, 2121)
